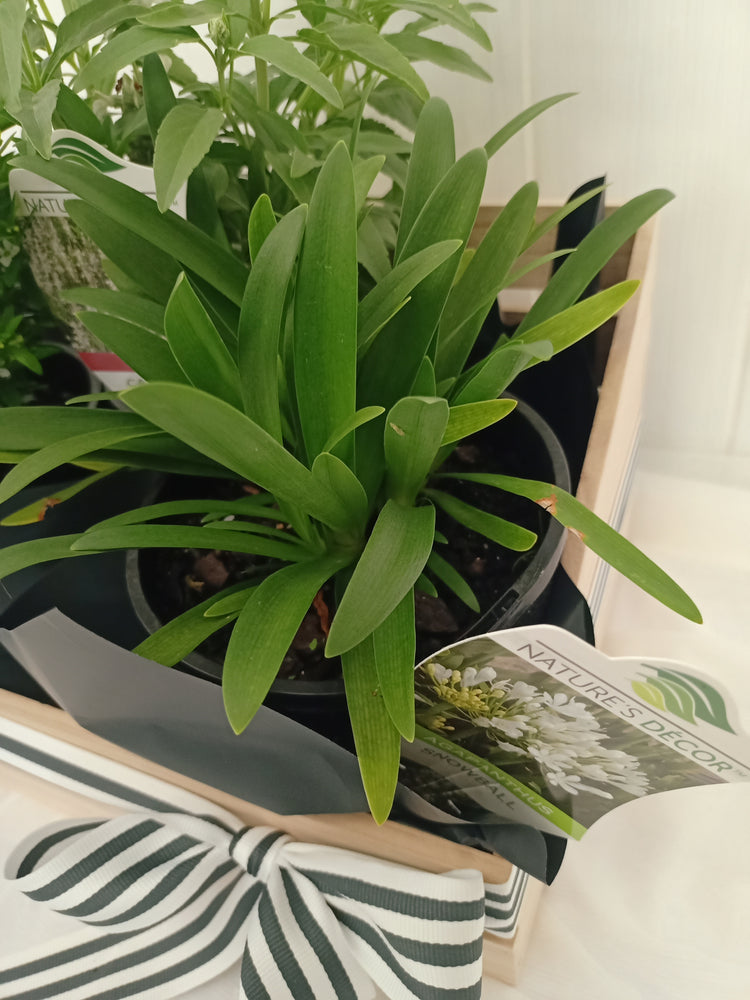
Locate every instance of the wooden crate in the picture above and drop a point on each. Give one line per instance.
(603, 488)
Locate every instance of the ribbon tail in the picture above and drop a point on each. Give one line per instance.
(190, 948)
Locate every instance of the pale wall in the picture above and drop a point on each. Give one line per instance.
(664, 100)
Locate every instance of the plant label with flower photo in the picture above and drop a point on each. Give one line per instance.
(534, 726)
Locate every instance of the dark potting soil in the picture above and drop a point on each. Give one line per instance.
(175, 580)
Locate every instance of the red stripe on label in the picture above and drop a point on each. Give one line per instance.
(103, 361)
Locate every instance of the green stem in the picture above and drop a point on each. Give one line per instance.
(45, 10)
(259, 17)
(30, 65)
(45, 15)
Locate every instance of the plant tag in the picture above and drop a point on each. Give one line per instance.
(536, 726)
(41, 197)
(63, 257)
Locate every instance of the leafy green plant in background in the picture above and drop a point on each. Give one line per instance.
(25, 319)
(339, 407)
(287, 84)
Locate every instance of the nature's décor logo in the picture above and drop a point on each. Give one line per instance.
(682, 695)
(70, 147)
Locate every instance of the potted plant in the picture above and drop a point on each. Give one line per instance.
(338, 411)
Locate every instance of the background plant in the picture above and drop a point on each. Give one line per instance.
(287, 83)
(25, 319)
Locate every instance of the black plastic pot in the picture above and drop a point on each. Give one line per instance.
(321, 705)
(64, 376)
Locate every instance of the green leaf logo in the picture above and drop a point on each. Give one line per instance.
(80, 151)
(683, 695)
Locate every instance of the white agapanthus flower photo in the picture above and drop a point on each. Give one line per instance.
(554, 739)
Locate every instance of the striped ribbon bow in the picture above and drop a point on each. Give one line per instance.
(173, 899)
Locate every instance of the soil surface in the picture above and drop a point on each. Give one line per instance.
(188, 576)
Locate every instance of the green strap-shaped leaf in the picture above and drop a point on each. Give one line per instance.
(163, 452)
(414, 430)
(515, 125)
(576, 322)
(132, 308)
(262, 319)
(184, 138)
(365, 44)
(146, 353)
(38, 550)
(394, 643)
(424, 383)
(390, 294)
(358, 419)
(34, 115)
(519, 272)
(264, 631)
(449, 213)
(281, 53)
(593, 252)
(197, 346)
(12, 17)
(417, 48)
(599, 537)
(473, 417)
(425, 585)
(365, 172)
(28, 428)
(432, 156)
(34, 512)
(452, 579)
(154, 271)
(554, 219)
(372, 251)
(376, 738)
(124, 49)
(68, 450)
(337, 478)
(260, 225)
(492, 376)
(224, 435)
(392, 560)
(485, 276)
(158, 96)
(207, 184)
(140, 214)
(183, 536)
(497, 529)
(228, 604)
(179, 637)
(325, 308)
(244, 507)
